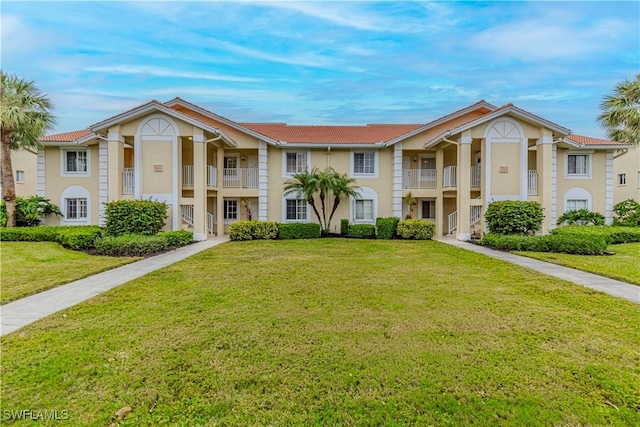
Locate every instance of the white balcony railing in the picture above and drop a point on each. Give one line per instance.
(240, 178)
(450, 177)
(532, 183)
(475, 214)
(128, 181)
(419, 178)
(475, 176)
(452, 221)
(187, 213)
(187, 175)
(212, 176)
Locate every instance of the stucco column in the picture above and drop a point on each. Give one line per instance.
(263, 181)
(464, 187)
(199, 186)
(397, 180)
(219, 198)
(115, 162)
(544, 165)
(440, 218)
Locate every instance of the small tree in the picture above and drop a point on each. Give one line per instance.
(627, 213)
(514, 217)
(621, 112)
(410, 201)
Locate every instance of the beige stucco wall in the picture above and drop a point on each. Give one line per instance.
(596, 185)
(628, 164)
(505, 155)
(55, 184)
(26, 161)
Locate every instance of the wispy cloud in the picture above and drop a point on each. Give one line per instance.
(165, 72)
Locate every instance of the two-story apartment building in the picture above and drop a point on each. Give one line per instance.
(208, 168)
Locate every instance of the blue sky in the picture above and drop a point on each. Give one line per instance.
(324, 62)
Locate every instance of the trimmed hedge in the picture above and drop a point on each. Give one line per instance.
(366, 231)
(176, 239)
(77, 237)
(131, 245)
(612, 234)
(416, 229)
(386, 228)
(134, 217)
(344, 226)
(253, 230)
(558, 243)
(299, 230)
(514, 217)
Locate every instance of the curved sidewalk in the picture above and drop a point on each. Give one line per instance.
(22, 312)
(612, 287)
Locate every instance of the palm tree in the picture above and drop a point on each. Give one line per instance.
(621, 112)
(342, 186)
(25, 117)
(304, 185)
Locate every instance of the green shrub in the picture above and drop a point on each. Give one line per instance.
(135, 217)
(569, 244)
(29, 210)
(79, 238)
(613, 235)
(29, 234)
(299, 230)
(344, 226)
(366, 231)
(386, 228)
(627, 213)
(514, 217)
(581, 217)
(416, 229)
(131, 245)
(253, 230)
(175, 239)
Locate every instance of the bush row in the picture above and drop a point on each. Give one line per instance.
(134, 217)
(579, 244)
(255, 230)
(612, 234)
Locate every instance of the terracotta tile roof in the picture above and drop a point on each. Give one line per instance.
(325, 134)
(66, 136)
(587, 140)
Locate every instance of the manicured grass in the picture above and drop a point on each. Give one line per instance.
(334, 332)
(32, 267)
(624, 265)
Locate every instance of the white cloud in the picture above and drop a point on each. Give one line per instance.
(164, 72)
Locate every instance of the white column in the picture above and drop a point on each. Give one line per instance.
(263, 182)
(397, 180)
(219, 195)
(40, 177)
(554, 186)
(103, 179)
(608, 209)
(464, 187)
(137, 166)
(199, 186)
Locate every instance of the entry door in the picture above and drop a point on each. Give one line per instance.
(231, 168)
(428, 209)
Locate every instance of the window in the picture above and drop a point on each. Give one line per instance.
(576, 204)
(230, 209)
(363, 210)
(231, 162)
(622, 179)
(428, 209)
(75, 161)
(364, 163)
(296, 210)
(296, 163)
(19, 177)
(76, 208)
(578, 164)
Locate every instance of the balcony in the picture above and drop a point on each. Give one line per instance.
(128, 181)
(532, 183)
(418, 178)
(240, 178)
(476, 172)
(212, 176)
(187, 176)
(450, 177)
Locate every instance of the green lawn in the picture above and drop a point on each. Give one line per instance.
(32, 267)
(624, 265)
(334, 332)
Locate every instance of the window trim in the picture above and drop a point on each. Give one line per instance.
(19, 177)
(63, 162)
(588, 155)
(298, 202)
(86, 209)
(622, 179)
(355, 211)
(294, 196)
(376, 165)
(285, 173)
(365, 193)
(74, 192)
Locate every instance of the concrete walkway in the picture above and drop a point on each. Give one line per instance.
(17, 314)
(593, 281)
